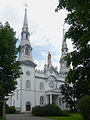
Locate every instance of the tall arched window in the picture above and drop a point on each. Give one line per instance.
(27, 84)
(41, 100)
(13, 102)
(26, 36)
(17, 96)
(27, 51)
(41, 86)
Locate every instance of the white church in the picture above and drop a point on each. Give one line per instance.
(35, 87)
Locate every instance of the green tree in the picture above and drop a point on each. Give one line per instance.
(71, 93)
(68, 96)
(83, 106)
(10, 68)
(0, 101)
(79, 32)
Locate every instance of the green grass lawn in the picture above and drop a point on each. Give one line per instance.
(73, 116)
(0, 118)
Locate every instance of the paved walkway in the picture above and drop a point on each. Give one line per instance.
(24, 117)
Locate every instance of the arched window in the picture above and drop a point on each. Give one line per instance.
(41, 86)
(60, 86)
(13, 102)
(27, 84)
(26, 37)
(17, 96)
(41, 100)
(27, 51)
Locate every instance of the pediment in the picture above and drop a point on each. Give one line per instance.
(53, 70)
(53, 91)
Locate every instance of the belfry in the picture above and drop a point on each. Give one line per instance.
(25, 55)
(63, 68)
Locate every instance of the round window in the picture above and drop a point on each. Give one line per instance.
(28, 73)
(51, 84)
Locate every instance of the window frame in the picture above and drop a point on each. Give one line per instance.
(41, 86)
(27, 51)
(41, 100)
(28, 84)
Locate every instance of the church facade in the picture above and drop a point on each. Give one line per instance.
(35, 87)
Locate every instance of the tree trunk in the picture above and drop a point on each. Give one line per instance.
(4, 115)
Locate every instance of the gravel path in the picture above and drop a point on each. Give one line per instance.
(24, 117)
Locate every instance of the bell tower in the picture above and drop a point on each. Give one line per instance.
(27, 79)
(63, 68)
(25, 55)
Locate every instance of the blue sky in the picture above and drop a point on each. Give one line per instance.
(45, 26)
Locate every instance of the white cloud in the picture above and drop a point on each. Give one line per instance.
(43, 54)
(39, 39)
(45, 25)
(40, 64)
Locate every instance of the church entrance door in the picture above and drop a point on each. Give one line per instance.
(28, 106)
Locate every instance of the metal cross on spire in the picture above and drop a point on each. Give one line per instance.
(26, 5)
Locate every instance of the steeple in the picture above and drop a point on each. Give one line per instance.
(64, 44)
(25, 32)
(25, 55)
(25, 19)
(63, 68)
(25, 23)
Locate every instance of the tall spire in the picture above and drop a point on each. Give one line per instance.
(25, 32)
(25, 23)
(64, 44)
(63, 68)
(25, 55)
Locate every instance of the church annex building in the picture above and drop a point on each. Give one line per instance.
(36, 87)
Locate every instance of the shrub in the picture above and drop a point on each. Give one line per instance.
(65, 113)
(83, 106)
(0, 107)
(52, 110)
(10, 110)
(37, 111)
(47, 110)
